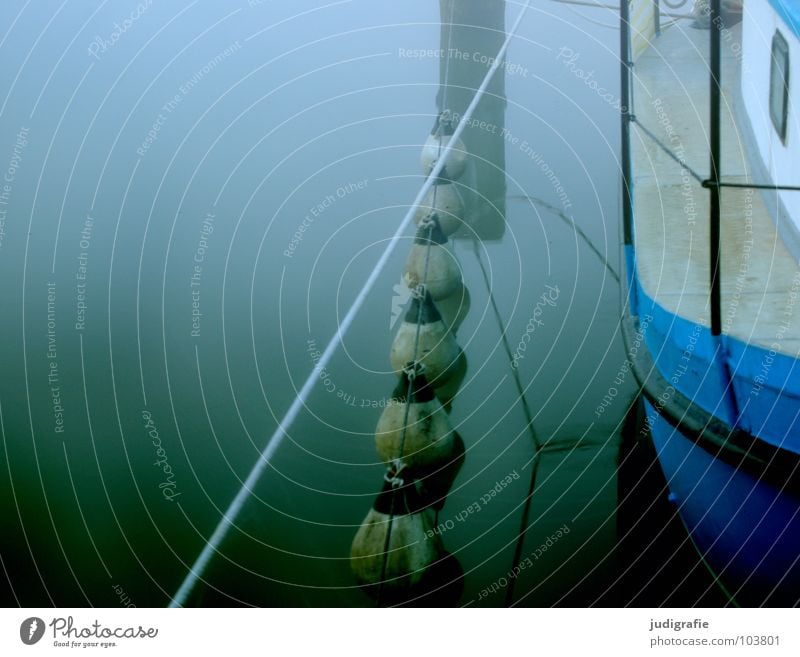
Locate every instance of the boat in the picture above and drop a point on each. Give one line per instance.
(711, 243)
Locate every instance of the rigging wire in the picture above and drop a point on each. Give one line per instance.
(682, 162)
(515, 373)
(572, 224)
(234, 508)
(704, 181)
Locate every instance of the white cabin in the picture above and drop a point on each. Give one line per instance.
(770, 87)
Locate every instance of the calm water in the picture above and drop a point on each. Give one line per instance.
(159, 317)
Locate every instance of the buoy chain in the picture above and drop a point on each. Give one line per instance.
(412, 369)
(227, 521)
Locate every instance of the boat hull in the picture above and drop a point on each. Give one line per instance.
(746, 529)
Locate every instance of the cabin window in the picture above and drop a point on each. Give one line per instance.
(779, 85)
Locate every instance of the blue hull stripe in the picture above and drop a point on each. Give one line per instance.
(764, 398)
(745, 528)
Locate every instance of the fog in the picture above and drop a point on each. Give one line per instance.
(199, 192)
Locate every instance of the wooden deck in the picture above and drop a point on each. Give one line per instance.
(760, 278)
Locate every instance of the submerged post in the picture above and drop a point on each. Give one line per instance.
(714, 176)
(470, 30)
(625, 120)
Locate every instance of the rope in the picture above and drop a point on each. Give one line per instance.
(537, 447)
(226, 522)
(668, 151)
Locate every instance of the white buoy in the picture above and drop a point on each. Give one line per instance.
(431, 262)
(423, 439)
(413, 546)
(441, 135)
(437, 348)
(445, 200)
(454, 308)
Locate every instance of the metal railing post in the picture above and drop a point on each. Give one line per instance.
(657, 16)
(625, 120)
(714, 148)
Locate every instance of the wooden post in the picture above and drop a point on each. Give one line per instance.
(478, 32)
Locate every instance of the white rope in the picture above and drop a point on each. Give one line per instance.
(227, 520)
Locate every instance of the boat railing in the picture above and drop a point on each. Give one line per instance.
(708, 323)
(640, 27)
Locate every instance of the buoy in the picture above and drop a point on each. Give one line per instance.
(413, 546)
(437, 348)
(445, 200)
(454, 308)
(423, 439)
(431, 262)
(435, 482)
(441, 135)
(447, 392)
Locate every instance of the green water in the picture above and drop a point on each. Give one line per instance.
(155, 329)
